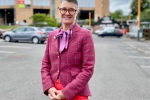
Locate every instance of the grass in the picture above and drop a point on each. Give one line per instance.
(7, 27)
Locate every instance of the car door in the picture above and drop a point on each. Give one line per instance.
(18, 34)
(110, 32)
(29, 33)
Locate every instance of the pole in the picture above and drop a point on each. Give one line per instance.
(121, 20)
(129, 19)
(90, 19)
(139, 11)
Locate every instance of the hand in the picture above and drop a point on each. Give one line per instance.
(53, 94)
(60, 94)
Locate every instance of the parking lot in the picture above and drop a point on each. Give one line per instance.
(121, 70)
(20, 65)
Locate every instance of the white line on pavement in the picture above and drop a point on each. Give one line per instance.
(16, 47)
(132, 46)
(145, 66)
(139, 57)
(131, 51)
(5, 52)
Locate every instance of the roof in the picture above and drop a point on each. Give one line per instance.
(100, 21)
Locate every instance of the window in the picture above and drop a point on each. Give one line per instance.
(20, 30)
(49, 29)
(29, 29)
(110, 31)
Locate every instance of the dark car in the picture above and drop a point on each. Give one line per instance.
(49, 29)
(33, 34)
(111, 32)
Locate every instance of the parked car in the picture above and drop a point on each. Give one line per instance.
(1, 32)
(33, 34)
(49, 29)
(88, 28)
(111, 32)
(101, 30)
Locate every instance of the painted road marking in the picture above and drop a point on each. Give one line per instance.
(132, 46)
(139, 57)
(145, 66)
(5, 52)
(16, 47)
(131, 51)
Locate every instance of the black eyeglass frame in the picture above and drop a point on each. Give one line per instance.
(67, 10)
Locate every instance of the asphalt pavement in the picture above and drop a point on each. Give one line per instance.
(122, 70)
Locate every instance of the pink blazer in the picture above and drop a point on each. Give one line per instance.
(74, 66)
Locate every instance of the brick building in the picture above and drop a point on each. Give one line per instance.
(20, 10)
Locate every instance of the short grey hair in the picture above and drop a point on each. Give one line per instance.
(71, 1)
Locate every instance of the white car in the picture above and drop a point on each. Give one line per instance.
(101, 30)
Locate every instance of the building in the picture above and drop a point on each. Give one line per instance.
(12, 11)
(106, 21)
(133, 30)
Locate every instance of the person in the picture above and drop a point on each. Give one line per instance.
(68, 63)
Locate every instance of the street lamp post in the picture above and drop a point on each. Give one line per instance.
(130, 19)
(90, 19)
(121, 20)
(139, 11)
(5, 17)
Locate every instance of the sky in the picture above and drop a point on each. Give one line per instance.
(120, 4)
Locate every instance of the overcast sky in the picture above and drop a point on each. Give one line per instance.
(120, 4)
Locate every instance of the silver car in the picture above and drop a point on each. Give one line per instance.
(49, 29)
(34, 34)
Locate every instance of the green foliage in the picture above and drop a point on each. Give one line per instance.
(8, 27)
(37, 17)
(50, 21)
(92, 21)
(145, 15)
(59, 24)
(117, 14)
(41, 19)
(145, 4)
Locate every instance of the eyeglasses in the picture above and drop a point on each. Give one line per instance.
(64, 10)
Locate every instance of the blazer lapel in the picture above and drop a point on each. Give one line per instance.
(74, 32)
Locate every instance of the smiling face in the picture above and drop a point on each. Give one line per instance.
(68, 18)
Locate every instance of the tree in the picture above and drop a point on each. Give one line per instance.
(145, 15)
(145, 4)
(37, 17)
(117, 14)
(50, 21)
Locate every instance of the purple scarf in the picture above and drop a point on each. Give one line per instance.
(64, 38)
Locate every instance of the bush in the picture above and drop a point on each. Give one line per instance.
(40, 20)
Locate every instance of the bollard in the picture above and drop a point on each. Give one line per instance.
(138, 35)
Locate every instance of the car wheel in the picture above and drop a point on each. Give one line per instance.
(118, 36)
(35, 40)
(7, 38)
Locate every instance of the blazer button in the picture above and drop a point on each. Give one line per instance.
(58, 57)
(58, 71)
